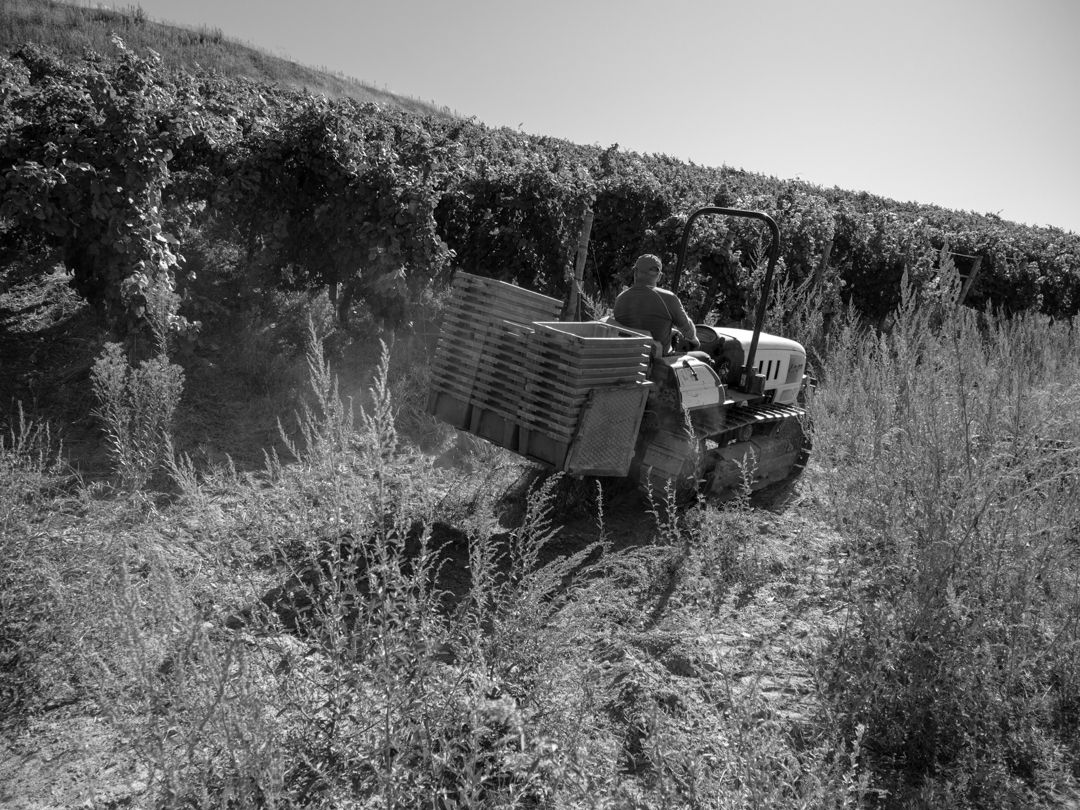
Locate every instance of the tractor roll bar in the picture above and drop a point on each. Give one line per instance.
(774, 252)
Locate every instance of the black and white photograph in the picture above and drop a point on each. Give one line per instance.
(505, 405)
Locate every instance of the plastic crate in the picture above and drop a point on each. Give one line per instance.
(568, 394)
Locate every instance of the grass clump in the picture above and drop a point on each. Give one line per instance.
(136, 406)
(29, 469)
(950, 448)
(382, 690)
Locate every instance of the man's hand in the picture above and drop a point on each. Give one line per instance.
(681, 343)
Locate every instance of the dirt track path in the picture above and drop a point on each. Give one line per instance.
(760, 625)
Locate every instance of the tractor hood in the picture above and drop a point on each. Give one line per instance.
(766, 342)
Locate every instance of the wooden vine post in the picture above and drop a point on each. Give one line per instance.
(572, 310)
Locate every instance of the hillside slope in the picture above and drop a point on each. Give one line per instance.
(70, 30)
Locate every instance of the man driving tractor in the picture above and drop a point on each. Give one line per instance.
(652, 309)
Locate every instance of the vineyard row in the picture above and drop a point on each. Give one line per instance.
(119, 167)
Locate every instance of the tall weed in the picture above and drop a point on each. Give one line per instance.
(948, 451)
(29, 643)
(377, 692)
(136, 406)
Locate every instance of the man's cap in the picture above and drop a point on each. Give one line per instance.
(648, 264)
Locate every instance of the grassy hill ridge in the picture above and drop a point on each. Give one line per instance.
(71, 29)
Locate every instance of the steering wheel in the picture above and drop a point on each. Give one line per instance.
(708, 337)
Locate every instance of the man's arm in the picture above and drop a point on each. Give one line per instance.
(681, 319)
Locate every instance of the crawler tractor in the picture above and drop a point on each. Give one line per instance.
(599, 398)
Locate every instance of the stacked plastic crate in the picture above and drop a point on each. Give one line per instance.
(476, 373)
(565, 393)
(586, 387)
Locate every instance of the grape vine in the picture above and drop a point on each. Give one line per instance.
(112, 162)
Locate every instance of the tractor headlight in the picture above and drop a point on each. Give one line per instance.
(796, 365)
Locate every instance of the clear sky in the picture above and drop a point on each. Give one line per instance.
(968, 104)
